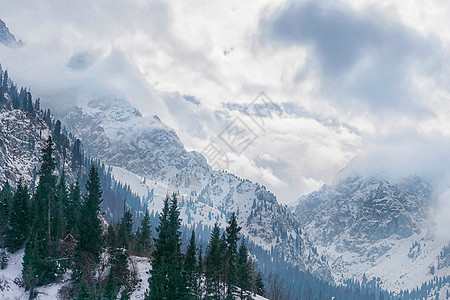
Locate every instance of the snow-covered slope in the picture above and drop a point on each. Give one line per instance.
(149, 156)
(21, 141)
(375, 227)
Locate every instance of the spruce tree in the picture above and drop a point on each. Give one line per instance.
(18, 219)
(167, 280)
(119, 276)
(232, 238)
(58, 216)
(125, 232)
(177, 282)
(190, 269)
(144, 236)
(244, 271)
(89, 226)
(111, 237)
(213, 263)
(259, 288)
(39, 268)
(5, 202)
(72, 208)
(89, 237)
(158, 279)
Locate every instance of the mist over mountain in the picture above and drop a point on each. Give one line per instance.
(341, 189)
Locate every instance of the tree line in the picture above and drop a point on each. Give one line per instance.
(63, 230)
(225, 272)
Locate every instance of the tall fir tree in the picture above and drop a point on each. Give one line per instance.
(18, 219)
(5, 202)
(89, 235)
(144, 234)
(213, 263)
(125, 232)
(167, 280)
(89, 226)
(72, 209)
(177, 282)
(158, 279)
(191, 271)
(244, 272)
(119, 275)
(58, 216)
(39, 268)
(259, 288)
(232, 238)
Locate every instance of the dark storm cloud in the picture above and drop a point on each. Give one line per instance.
(361, 55)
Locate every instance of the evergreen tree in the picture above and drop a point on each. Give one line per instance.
(58, 216)
(38, 266)
(176, 281)
(158, 279)
(89, 246)
(72, 208)
(89, 226)
(83, 293)
(18, 219)
(5, 202)
(232, 239)
(167, 281)
(259, 288)
(190, 269)
(125, 233)
(111, 237)
(244, 271)
(213, 263)
(144, 234)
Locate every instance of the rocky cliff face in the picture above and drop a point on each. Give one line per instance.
(6, 37)
(374, 227)
(148, 155)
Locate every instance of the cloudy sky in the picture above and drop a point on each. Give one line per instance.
(359, 82)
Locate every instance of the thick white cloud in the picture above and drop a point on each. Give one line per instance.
(352, 76)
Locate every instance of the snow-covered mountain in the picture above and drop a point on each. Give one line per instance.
(148, 155)
(6, 37)
(376, 228)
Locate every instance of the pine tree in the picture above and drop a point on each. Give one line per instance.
(144, 234)
(259, 285)
(58, 216)
(244, 271)
(167, 281)
(125, 232)
(158, 279)
(232, 239)
(89, 226)
(89, 246)
(200, 270)
(177, 282)
(213, 263)
(18, 219)
(83, 293)
(73, 208)
(38, 266)
(5, 202)
(190, 269)
(111, 237)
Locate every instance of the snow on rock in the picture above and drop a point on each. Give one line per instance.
(21, 142)
(375, 228)
(148, 155)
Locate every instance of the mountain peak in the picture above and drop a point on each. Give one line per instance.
(6, 37)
